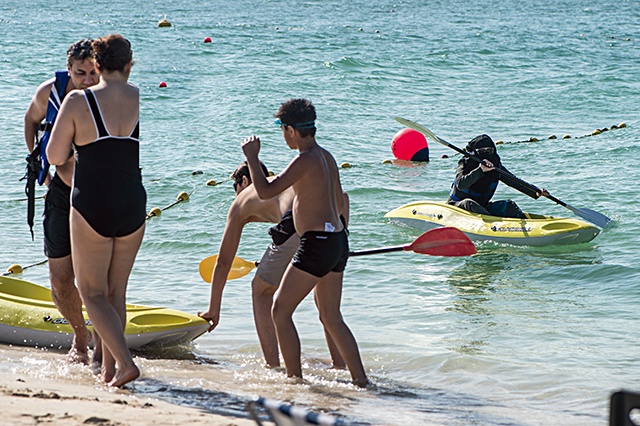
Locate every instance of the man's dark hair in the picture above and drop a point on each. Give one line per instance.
(79, 51)
(300, 114)
(243, 170)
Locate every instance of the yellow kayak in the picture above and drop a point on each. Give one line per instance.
(537, 230)
(28, 317)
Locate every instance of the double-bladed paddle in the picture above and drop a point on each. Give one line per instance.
(446, 241)
(591, 215)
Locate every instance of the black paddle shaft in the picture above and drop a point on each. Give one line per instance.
(499, 170)
(376, 251)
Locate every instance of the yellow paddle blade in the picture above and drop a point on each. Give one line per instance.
(239, 268)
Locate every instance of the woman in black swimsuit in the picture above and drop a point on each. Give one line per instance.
(108, 200)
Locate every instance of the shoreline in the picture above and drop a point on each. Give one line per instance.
(28, 400)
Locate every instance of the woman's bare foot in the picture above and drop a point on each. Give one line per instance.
(124, 376)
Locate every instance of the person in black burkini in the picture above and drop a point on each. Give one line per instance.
(475, 183)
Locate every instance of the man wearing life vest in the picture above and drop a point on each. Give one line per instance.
(475, 183)
(38, 122)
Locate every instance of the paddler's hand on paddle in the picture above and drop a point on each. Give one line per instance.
(486, 166)
(543, 193)
(251, 146)
(213, 318)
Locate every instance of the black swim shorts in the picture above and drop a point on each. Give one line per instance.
(57, 205)
(322, 252)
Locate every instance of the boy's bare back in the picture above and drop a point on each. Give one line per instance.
(315, 207)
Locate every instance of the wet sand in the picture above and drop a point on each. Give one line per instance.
(26, 400)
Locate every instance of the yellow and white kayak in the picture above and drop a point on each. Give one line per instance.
(28, 317)
(536, 230)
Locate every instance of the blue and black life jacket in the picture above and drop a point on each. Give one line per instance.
(37, 164)
(481, 192)
(55, 100)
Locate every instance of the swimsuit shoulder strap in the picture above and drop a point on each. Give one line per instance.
(96, 114)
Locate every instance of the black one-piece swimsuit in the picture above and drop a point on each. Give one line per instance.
(107, 183)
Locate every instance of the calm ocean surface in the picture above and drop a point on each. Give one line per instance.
(510, 336)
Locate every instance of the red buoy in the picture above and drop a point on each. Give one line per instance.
(410, 145)
(162, 84)
(207, 39)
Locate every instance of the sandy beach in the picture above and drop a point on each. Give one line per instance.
(28, 400)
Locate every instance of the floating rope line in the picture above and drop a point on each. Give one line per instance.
(183, 196)
(596, 132)
(17, 269)
(21, 199)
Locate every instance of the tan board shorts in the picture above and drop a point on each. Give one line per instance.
(276, 259)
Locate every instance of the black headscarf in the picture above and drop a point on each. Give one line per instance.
(483, 141)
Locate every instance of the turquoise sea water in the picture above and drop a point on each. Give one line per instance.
(510, 336)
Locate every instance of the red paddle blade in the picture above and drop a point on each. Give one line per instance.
(445, 241)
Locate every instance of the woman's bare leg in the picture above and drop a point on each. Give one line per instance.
(124, 253)
(97, 262)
